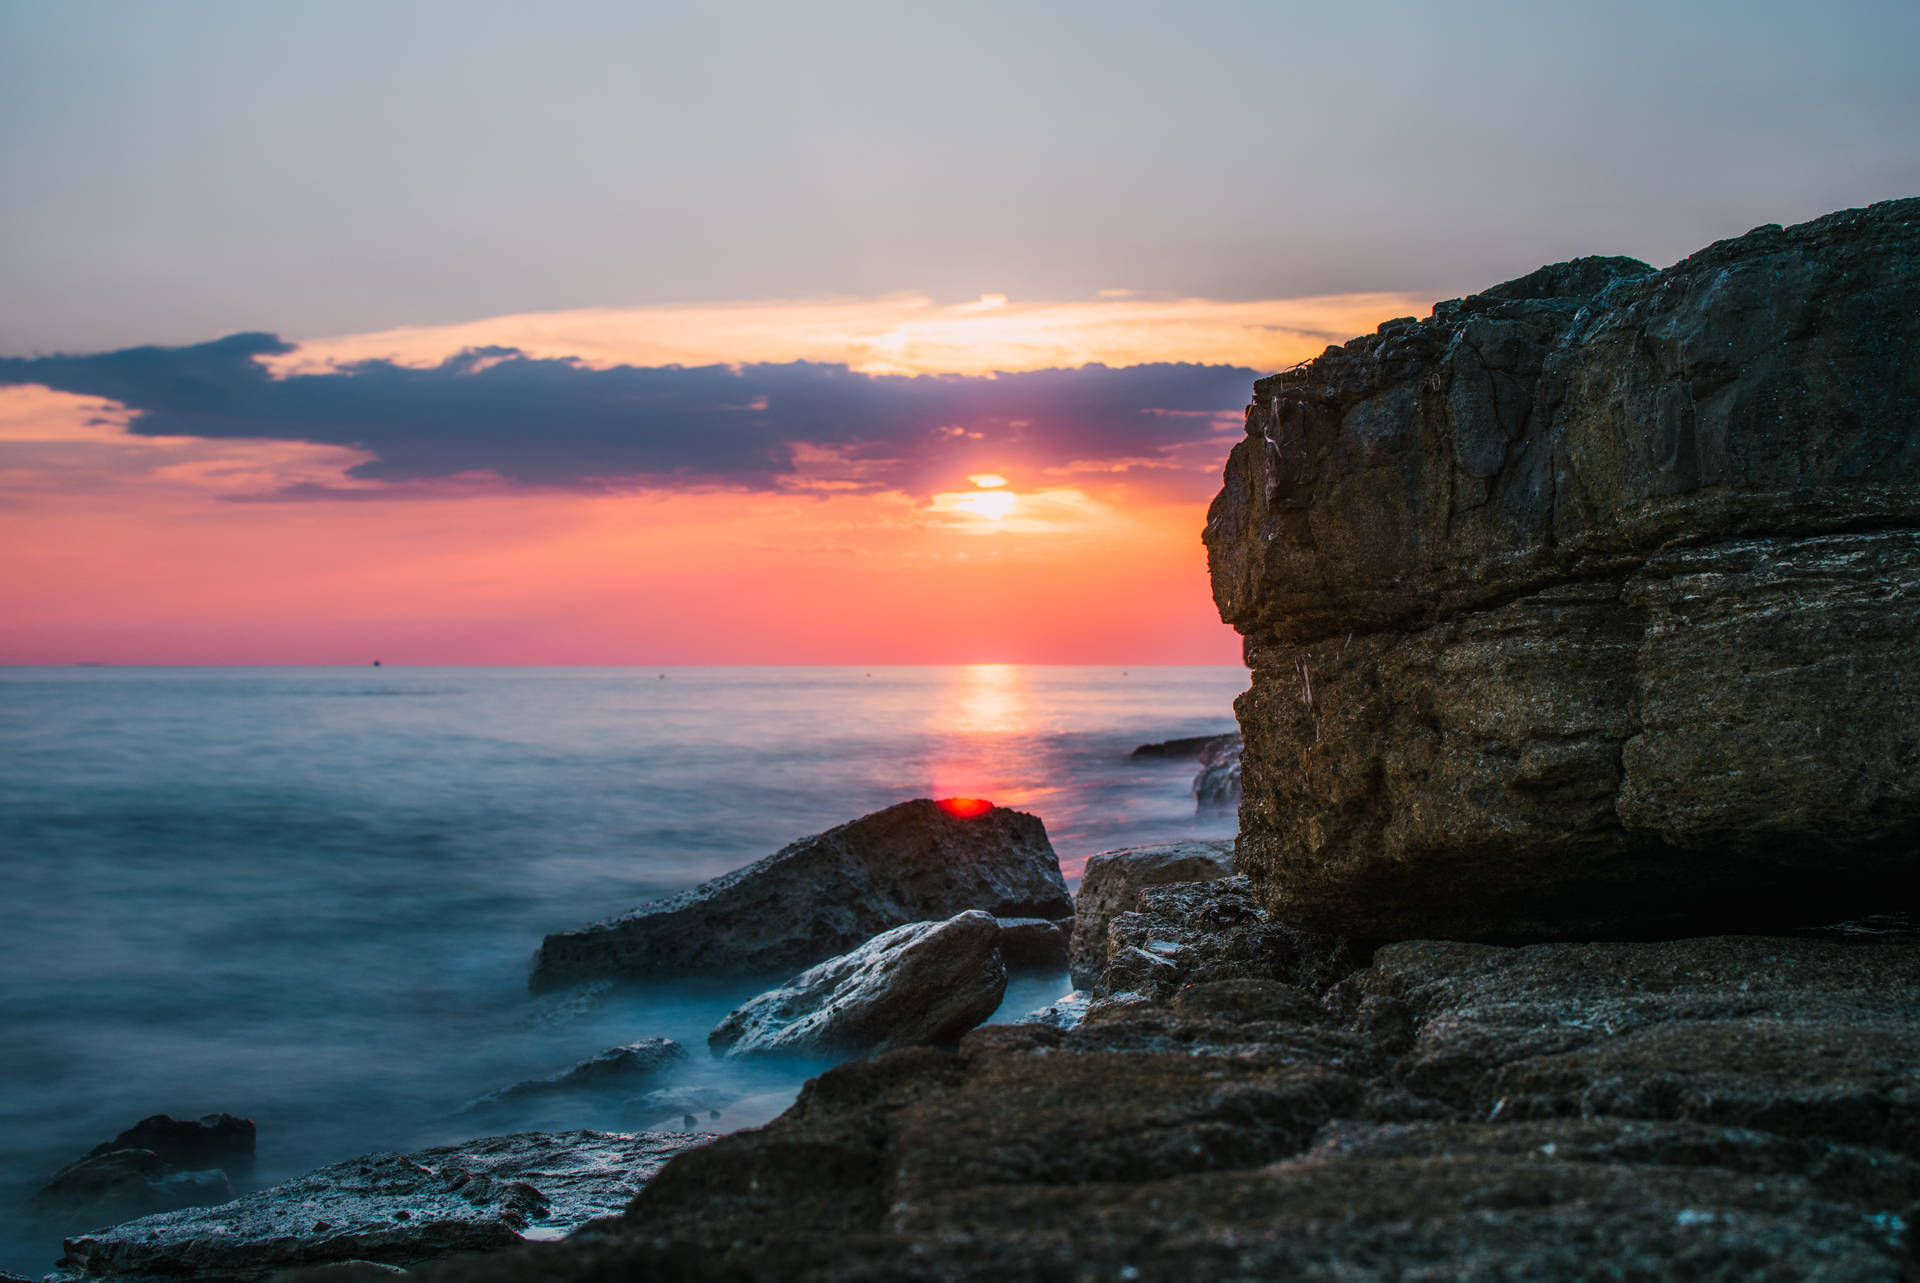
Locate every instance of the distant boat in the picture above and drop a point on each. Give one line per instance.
(376, 663)
(88, 663)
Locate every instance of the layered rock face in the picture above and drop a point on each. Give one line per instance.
(1591, 604)
(823, 895)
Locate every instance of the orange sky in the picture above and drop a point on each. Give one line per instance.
(130, 550)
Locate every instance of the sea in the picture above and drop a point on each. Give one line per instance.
(309, 896)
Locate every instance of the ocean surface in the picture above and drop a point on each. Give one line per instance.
(309, 896)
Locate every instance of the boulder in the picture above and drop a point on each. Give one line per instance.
(1112, 882)
(389, 1209)
(627, 1067)
(1590, 605)
(120, 1184)
(925, 982)
(918, 861)
(1034, 944)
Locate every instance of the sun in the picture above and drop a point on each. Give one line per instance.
(992, 505)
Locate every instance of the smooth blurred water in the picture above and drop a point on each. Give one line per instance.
(309, 896)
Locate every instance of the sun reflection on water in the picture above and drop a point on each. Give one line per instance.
(991, 699)
(984, 718)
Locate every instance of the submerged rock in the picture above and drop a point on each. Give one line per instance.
(627, 1066)
(1591, 604)
(119, 1184)
(159, 1164)
(926, 982)
(821, 896)
(1191, 749)
(389, 1209)
(191, 1144)
(1112, 884)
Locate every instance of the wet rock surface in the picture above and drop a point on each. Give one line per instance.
(925, 982)
(389, 1209)
(823, 895)
(1716, 1108)
(1112, 884)
(627, 1067)
(1590, 605)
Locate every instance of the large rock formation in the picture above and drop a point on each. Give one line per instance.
(394, 1209)
(918, 861)
(922, 983)
(1591, 603)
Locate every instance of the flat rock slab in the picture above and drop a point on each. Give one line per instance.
(925, 982)
(1797, 1036)
(919, 861)
(392, 1209)
(1112, 884)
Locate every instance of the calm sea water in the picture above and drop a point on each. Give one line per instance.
(309, 896)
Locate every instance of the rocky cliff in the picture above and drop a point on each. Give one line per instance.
(1590, 604)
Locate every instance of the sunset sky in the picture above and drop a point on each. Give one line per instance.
(765, 333)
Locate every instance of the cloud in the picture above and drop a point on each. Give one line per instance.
(497, 412)
(894, 334)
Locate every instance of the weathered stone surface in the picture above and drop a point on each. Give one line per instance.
(924, 982)
(1245, 1130)
(391, 1209)
(1799, 1037)
(623, 1067)
(1188, 933)
(1591, 604)
(821, 896)
(119, 1184)
(1113, 881)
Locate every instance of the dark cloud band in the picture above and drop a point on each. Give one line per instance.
(562, 423)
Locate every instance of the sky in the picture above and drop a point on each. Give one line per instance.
(770, 333)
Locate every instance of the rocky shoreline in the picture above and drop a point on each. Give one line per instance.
(1564, 936)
